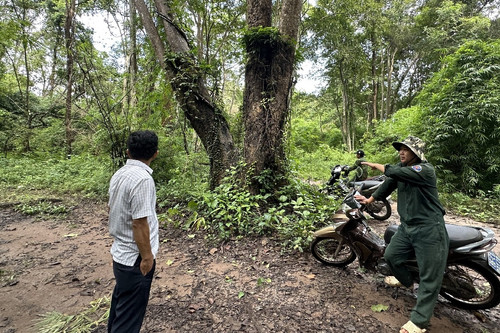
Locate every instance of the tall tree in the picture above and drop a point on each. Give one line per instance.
(340, 40)
(69, 36)
(268, 84)
(21, 57)
(394, 45)
(267, 101)
(182, 72)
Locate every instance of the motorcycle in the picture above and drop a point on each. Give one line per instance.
(339, 187)
(471, 279)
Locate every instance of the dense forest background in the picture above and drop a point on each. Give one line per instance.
(216, 80)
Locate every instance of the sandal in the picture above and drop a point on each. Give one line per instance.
(410, 327)
(392, 281)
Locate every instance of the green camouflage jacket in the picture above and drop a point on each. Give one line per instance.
(418, 200)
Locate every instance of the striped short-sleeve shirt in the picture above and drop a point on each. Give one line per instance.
(132, 195)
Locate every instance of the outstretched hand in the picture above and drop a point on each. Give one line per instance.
(371, 165)
(375, 166)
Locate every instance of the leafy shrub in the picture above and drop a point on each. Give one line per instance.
(292, 213)
(186, 178)
(462, 103)
(483, 208)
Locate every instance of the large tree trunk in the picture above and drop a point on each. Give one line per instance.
(268, 84)
(191, 94)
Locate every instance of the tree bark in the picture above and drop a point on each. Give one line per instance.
(268, 84)
(390, 69)
(346, 109)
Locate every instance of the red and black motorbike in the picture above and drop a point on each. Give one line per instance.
(338, 187)
(471, 279)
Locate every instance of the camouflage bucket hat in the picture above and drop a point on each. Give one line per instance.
(416, 145)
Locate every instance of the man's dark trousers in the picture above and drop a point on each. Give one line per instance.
(130, 298)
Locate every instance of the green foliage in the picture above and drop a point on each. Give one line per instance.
(82, 174)
(255, 38)
(483, 208)
(408, 121)
(261, 282)
(43, 207)
(187, 177)
(170, 158)
(301, 211)
(308, 136)
(313, 123)
(318, 164)
(50, 139)
(462, 103)
(83, 322)
(23, 131)
(292, 213)
(230, 208)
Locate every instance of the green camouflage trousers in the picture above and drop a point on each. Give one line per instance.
(429, 243)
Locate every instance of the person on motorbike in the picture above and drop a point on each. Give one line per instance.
(361, 170)
(422, 232)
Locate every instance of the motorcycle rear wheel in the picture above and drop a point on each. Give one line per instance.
(324, 249)
(380, 214)
(471, 276)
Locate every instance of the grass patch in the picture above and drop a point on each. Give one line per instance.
(42, 207)
(27, 179)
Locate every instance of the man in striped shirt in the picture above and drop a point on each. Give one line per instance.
(134, 226)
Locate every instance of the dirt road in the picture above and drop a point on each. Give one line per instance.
(242, 286)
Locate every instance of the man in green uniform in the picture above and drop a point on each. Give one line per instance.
(422, 231)
(361, 170)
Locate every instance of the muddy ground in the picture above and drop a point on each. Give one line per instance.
(54, 264)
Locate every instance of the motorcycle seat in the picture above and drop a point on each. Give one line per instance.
(367, 184)
(459, 235)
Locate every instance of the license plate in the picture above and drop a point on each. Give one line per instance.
(494, 261)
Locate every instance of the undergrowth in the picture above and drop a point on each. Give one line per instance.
(230, 211)
(483, 208)
(42, 207)
(32, 178)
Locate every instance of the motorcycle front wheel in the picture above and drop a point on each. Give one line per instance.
(331, 253)
(471, 286)
(379, 210)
